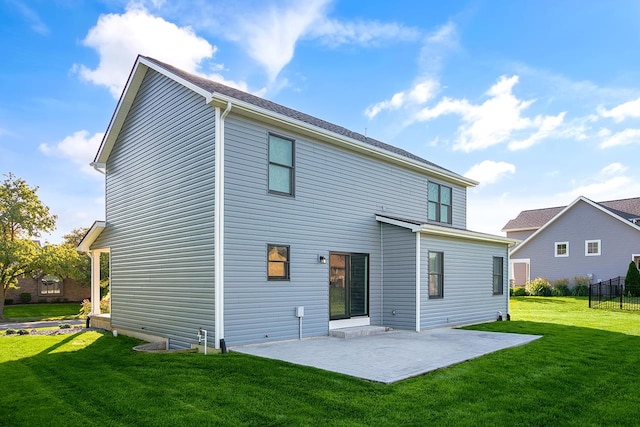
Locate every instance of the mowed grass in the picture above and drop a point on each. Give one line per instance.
(32, 312)
(583, 372)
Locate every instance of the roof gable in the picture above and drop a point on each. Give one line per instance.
(567, 209)
(217, 93)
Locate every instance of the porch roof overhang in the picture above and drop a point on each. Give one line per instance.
(91, 236)
(418, 226)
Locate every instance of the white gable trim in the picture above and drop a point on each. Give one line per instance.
(562, 212)
(142, 65)
(91, 236)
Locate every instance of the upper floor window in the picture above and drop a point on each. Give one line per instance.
(281, 165)
(498, 275)
(278, 262)
(562, 249)
(439, 203)
(592, 247)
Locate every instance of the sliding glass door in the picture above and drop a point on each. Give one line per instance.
(348, 285)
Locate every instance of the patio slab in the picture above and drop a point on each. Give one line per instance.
(391, 356)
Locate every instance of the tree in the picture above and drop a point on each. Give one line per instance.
(22, 217)
(632, 281)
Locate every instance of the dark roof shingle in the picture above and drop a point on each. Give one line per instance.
(212, 86)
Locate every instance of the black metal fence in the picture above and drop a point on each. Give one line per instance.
(611, 294)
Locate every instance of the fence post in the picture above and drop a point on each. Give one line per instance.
(620, 283)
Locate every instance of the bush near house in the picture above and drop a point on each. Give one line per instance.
(561, 288)
(25, 298)
(539, 287)
(519, 292)
(581, 286)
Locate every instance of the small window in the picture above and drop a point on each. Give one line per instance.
(439, 208)
(562, 249)
(498, 275)
(281, 158)
(277, 262)
(50, 285)
(592, 247)
(436, 274)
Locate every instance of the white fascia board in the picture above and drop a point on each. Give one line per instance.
(563, 211)
(466, 234)
(399, 223)
(91, 236)
(508, 230)
(263, 114)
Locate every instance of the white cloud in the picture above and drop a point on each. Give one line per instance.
(625, 137)
(630, 109)
(80, 148)
(546, 125)
(32, 18)
(118, 39)
(605, 190)
(613, 169)
(489, 171)
(494, 121)
(417, 95)
(333, 32)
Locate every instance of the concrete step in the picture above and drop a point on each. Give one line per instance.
(358, 331)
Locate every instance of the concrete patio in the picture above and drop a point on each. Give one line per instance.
(390, 356)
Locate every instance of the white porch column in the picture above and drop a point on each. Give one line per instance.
(95, 282)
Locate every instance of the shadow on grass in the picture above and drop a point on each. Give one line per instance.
(572, 376)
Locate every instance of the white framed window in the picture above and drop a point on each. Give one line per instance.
(592, 248)
(561, 249)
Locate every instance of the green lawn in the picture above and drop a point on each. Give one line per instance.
(29, 312)
(581, 373)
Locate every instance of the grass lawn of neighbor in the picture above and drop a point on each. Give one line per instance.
(32, 312)
(583, 372)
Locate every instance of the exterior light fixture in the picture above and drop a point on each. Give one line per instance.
(322, 259)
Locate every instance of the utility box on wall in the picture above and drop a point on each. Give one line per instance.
(300, 311)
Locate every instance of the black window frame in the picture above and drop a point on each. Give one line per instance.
(436, 201)
(498, 276)
(438, 276)
(286, 264)
(291, 168)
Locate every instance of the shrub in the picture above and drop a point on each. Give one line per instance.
(539, 287)
(10, 331)
(85, 307)
(42, 301)
(64, 326)
(25, 298)
(632, 281)
(518, 292)
(561, 288)
(581, 286)
(23, 332)
(8, 301)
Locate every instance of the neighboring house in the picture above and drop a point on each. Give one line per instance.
(256, 222)
(585, 238)
(49, 289)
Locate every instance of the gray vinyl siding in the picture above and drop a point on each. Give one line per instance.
(337, 195)
(582, 222)
(399, 275)
(468, 282)
(160, 214)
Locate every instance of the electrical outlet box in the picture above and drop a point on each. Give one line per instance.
(300, 311)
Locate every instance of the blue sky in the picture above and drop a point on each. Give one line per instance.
(537, 100)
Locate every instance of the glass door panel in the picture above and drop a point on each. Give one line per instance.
(338, 286)
(348, 285)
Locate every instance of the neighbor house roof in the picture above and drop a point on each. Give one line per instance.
(219, 94)
(536, 218)
(612, 212)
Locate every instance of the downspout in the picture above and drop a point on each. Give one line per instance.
(219, 223)
(418, 268)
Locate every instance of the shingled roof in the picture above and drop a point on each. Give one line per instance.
(212, 86)
(536, 218)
